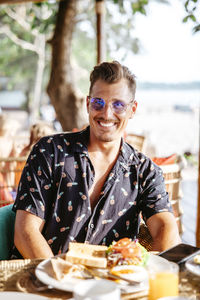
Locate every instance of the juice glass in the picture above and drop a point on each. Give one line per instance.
(163, 281)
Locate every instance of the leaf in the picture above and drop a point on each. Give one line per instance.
(196, 29)
(193, 18)
(186, 5)
(185, 19)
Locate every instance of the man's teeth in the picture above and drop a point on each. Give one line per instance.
(106, 124)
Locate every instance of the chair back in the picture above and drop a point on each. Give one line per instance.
(144, 237)
(7, 220)
(172, 175)
(10, 173)
(136, 141)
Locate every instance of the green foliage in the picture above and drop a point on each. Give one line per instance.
(17, 63)
(192, 8)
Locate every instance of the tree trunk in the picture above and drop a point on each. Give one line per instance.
(68, 105)
(39, 77)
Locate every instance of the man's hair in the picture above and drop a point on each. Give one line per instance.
(112, 72)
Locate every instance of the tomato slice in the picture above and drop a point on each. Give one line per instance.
(121, 244)
(131, 251)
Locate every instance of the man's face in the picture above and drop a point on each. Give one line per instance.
(107, 125)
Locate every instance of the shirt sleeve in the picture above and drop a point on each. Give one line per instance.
(154, 197)
(35, 187)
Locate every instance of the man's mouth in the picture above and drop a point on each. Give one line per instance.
(106, 124)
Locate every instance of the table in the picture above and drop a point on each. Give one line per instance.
(15, 275)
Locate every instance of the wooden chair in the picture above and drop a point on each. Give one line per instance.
(144, 237)
(172, 175)
(10, 172)
(137, 141)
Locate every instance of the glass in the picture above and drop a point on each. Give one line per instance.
(163, 281)
(118, 106)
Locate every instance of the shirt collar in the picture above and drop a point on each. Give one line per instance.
(127, 156)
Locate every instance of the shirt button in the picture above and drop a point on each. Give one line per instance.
(91, 225)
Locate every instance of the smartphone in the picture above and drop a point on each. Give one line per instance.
(180, 253)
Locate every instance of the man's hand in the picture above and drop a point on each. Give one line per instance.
(164, 231)
(28, 238)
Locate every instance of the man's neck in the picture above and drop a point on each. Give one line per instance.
(106, 149)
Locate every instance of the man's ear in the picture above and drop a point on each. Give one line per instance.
(134, 108)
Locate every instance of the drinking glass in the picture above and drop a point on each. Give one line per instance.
(163, 280)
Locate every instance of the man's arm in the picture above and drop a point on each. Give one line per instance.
(164, 231)
(28, 238)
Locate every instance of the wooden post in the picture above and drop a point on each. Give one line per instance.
(100, 17)
(198, 196)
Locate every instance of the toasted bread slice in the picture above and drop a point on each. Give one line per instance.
(88, 255)
(88, 249)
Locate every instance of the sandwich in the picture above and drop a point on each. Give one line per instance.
(126, 252)
(123, 252)
(87, 254)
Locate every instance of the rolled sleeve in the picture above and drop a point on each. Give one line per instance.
(35, 187)
(154, 197)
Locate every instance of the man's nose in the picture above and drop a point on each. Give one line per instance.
(108, 112)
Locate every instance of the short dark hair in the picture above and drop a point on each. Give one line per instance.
(112, 72)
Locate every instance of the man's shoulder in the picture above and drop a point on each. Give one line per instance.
(139, 158)
(71, 141)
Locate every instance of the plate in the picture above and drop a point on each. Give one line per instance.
(192, 267)
(43, 273)
(20, 296)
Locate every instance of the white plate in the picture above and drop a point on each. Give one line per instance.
(20, 296)
(43, 274)
(192, 266)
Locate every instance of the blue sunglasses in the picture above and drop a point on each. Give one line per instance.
(118, 106)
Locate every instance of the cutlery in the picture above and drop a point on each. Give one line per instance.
(107, 275)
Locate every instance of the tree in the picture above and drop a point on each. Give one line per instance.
(63, 92)
(68, 105)
(17, 24)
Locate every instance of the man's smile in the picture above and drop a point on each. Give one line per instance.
(106, 123)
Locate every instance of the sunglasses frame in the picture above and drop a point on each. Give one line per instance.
(113, 108)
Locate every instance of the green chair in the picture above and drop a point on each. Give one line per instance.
(7, 221)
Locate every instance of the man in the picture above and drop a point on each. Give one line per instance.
(91, 186)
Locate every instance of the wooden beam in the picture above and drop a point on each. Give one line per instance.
(18, 1)
(198, 196)
(100, 19)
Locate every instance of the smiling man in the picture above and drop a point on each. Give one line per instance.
(91, 186)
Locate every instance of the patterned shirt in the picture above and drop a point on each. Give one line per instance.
(55, 186)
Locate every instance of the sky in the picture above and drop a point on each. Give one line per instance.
(170, 51)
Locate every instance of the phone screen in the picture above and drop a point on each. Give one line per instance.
(179, 253)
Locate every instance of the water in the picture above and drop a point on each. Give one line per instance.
(169, 119)
(11, 98)
(156, 98)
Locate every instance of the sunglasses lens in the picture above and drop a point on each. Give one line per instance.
(119, 106)
(97, 103)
